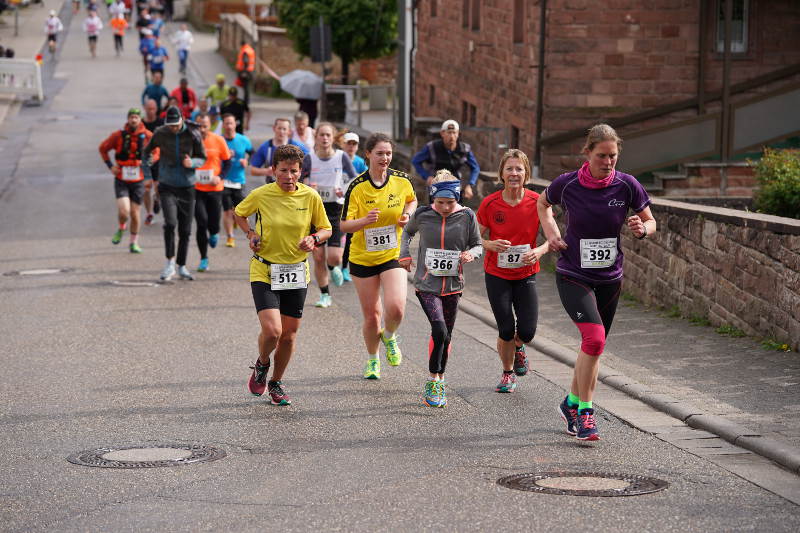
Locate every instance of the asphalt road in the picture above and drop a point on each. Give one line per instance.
(88, 364)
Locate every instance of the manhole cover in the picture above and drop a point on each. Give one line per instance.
(146, 456)
(37, 272)
(134, 283)
(599, 484)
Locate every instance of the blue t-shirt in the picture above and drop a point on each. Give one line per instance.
(157, 57)
(359, 164)
(156, 26)
(594, 219)
(263, 156)
(239, 146)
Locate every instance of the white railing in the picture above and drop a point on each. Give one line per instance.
(21, 77)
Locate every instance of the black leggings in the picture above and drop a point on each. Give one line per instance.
(441, 312)
(510, 297)
(207, 213)
(177, 204)
(591, 306)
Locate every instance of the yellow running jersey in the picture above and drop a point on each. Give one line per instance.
(282, 220)
(379, 242)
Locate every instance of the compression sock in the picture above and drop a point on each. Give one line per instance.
(123, 226)
(584, 405)
(573, 400)
(324, 290)
(134, 237)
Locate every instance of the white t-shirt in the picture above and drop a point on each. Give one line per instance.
(308, 141)
(183, 39)
(53, 26)
(92, 26)
(327, 174)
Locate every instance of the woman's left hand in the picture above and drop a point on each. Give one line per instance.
(403, 220)
(466, 257)
(307, 244)
(636, 225)
(530, 258)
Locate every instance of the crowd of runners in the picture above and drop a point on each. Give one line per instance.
(188, 157)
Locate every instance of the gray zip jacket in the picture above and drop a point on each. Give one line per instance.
(174, 146)
(458, 231)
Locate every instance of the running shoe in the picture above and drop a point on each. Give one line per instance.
(507, 383)
(434, 394)
(184, 273)
(337, 277)
(393, 354)
(586, 425)
(372, 370)
(258, 379)
(324, 301)
(203, 266)
(168, 272)
(117, 236)
(521, 365)
(231, 242)
(569, 415)
(148, 219)
(346, 275)
(213, 240)
(277, 394)
(135, 248)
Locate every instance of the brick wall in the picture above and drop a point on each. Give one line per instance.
(733, 267)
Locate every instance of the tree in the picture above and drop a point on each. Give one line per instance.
(360, 29)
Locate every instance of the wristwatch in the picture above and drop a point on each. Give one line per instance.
(316, 239)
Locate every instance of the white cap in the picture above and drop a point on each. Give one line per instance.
(52, 12)
(350, 136)
(449, 125)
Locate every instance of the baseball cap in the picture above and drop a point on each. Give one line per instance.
(134, 111)
(449, 125)
(52, 12)
(350, 136)
(173, 117)
(220, 77)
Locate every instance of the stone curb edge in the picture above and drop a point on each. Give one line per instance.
(736, 434)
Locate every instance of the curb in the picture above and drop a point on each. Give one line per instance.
(783, 454)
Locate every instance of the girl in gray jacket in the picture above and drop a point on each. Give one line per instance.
(449, 237)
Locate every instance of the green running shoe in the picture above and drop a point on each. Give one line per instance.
(393, 353)
(434, 394)
(117, 236)
(135, 248)
(372, 370)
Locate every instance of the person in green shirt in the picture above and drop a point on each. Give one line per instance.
(218, 93)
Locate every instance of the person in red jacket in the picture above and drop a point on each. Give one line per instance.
(186, 97)
(128, 145)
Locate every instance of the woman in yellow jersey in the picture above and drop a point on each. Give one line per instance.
(279, 272)
(377, 206)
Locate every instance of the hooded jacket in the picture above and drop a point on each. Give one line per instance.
(173, 148)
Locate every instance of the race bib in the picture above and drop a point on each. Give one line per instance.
(379, 239)
(204, 176)
(598, 253)
(442, 262)
(232, 184)
(285, 277)
(328, 194)
(130, 174)
(512, 258)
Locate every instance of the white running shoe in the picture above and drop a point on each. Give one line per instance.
(184, 273)
(169, 271)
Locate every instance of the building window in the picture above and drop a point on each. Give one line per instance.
(433, 7)
(431, 95)
(513, 141)
(471, 115)
(519, 21)
(739, 26)
(465, 13)
(464, 112)
(476, 15)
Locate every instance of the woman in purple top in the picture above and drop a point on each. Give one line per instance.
(595, 199)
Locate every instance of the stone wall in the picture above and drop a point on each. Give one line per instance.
(735, 268)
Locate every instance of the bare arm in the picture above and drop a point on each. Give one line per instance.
(549, 226)
(642, 223)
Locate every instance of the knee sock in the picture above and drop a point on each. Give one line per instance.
(584, 405)
(573, 400)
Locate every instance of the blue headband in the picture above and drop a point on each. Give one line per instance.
(446, 189)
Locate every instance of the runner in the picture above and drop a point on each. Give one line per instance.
(186, 98)
(302, 132)
(92, 26)
(155, 91)
(158, 54)
(238, 108)
(245, 68)
(120, 26)
(449, 237)
(210, 184)
(183, 40)
(143, 22)
(448, 153)
(509, 224)
(279, 273)
(377, 206)
(241, 149)
(261, 162)
(128, 145)
(52, 27)
(202, 107)
(596, 199)
(217, 93)
(181, 151)
(146, 43)
(323, 170)
(151, 121)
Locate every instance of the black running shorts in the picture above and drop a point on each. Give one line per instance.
(290, 302)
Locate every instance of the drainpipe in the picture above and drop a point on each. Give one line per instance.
(537, 158)
(726, 97)
(701, 59)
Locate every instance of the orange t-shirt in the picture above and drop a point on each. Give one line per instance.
(119, 25)
(216, 151)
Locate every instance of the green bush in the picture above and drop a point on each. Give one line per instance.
(778, 173)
